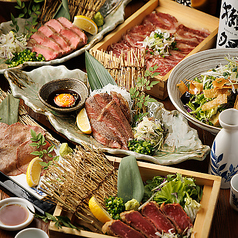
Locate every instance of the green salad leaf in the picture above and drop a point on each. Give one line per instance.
(172, 189)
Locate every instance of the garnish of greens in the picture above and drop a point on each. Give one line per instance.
(194, 102)
(38, 140)
(59, 220)
(139, 96)
(159, 42)
(13, 45)
(148, 136)
(27, 10)
(175, 189)
(24, 56)
(115, 206)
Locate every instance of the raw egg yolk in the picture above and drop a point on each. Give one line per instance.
(64, 100)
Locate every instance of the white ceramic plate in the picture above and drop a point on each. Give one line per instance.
(180, 133)
(22, 202)
(191, 67)
(115, 18)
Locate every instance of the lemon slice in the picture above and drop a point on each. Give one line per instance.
(86, 24)
(33, 172)
(98, 211)
(83, 122)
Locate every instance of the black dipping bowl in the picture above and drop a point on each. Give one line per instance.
(64, 84)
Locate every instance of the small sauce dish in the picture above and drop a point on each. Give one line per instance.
(15, 214)
(63, 95)
(31, 233)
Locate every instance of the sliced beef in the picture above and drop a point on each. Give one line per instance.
(178, 216)
(15, 148)
(104, 112)
(109, 104)
(74, 39)
(101, 132)
(41, 39)
(120, 229)
(47, 52)
(68, 24)
(186, 38)
(152, 211)
(49, 32)
(123, 104)
(140, 223)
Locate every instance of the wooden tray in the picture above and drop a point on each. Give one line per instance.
(211, 187)
(188, 16)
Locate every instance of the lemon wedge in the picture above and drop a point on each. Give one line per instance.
(33, 172)
(83, 122)
(98, 211)
(86, 24)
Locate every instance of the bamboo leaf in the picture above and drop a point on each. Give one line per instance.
(98, 76)
(63, 10)
(9, 109)
(130, 184)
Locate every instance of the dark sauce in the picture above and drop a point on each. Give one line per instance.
(13, 215)
(53, 95)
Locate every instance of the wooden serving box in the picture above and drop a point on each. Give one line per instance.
(188, 16)
(211, 187)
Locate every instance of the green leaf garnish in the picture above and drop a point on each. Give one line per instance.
(98, 76)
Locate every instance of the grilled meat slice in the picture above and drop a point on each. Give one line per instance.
(178, 216)
(50, 32)
(140, 223)
(152, 211)
(47, 52)
(74, 39)
(12, 137)
(68, 24)
(41, 39)
(104, 113)
(123, 104)
(100, 130)
(120, 229)
(108, 103)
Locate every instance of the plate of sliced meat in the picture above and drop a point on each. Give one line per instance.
(112, 127)
(15, 152)
(58, 40)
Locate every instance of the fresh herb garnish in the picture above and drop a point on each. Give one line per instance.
(30, 9)
(59, 220)
(38, 142)
(138, 94)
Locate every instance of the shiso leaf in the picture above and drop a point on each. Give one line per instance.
(129, 184)
(9, 109)
(98, 76)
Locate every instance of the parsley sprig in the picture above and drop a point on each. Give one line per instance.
(38, 142)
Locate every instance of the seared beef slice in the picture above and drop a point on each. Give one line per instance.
(120, 229)
(109, 125)
(152, 211)
(178, 216)
(140, 223)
